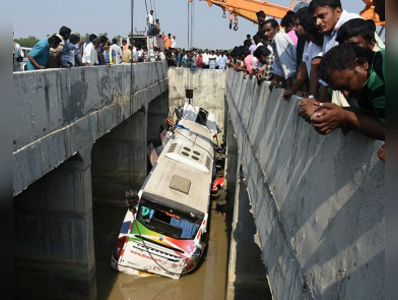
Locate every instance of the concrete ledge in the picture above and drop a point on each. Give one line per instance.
(318, 200)
(59, 112)
(208, 86)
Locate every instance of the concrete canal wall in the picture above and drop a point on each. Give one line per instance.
(78, 135)
(318, 201)
(209, 90)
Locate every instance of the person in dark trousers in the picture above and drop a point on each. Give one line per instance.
(221, 201)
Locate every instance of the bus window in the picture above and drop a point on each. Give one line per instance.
(168, 222)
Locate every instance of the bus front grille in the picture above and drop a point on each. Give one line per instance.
(157, 252)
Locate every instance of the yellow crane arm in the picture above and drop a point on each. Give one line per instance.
(369, 13)
(248, 8)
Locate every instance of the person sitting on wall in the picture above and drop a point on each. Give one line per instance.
(357, 72)
(157, 27)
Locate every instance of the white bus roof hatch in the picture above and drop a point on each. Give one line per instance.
(180, 184)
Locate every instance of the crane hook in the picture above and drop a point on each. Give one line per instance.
(236, 23)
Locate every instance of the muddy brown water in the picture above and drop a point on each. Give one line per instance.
(208, 282)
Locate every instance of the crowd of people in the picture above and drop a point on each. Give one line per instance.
(334, 59)
(197, 58)
(67, 49)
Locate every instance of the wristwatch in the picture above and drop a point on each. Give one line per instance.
(311, 96)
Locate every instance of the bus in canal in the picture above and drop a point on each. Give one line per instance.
(165, 233)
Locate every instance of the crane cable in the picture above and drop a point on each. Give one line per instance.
(154, 8)
(191, 28)
(131, 164)
(189, 42)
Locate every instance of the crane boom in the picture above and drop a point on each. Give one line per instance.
(248, 8)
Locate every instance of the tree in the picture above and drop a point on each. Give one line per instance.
(86, 37)
(28, 42)
(118, 37)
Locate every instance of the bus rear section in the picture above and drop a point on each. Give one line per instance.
(162, 238)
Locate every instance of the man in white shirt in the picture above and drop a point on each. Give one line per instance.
(18, 57)
(212, 60)
(90, 55)
(285, 52)
(150, 21)
(140, 55)
(173, 42)
(162, 56)
(134, 54)
(222, 61)
(118, 51)
(205, 56)
(218, 54)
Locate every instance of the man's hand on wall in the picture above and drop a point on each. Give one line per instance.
(308, 108)
(288, 93)
(328, 119)
(382, 152)
(274, 83)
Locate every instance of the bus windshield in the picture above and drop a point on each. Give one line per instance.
(167, 221)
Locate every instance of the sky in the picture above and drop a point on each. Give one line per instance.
(41, 17)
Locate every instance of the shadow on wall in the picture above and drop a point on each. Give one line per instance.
(251, 281)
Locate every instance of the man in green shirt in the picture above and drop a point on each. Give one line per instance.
(356, 72)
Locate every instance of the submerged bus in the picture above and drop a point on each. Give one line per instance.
(166, 233)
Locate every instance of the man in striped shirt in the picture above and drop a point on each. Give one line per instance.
(358, 72)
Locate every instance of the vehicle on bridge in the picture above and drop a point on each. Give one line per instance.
(25, 51)
(165, 231)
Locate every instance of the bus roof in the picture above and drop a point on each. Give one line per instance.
(184, 170)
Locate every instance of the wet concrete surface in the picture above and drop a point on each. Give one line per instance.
(207, 282)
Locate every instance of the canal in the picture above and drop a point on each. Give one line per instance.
(207, 282)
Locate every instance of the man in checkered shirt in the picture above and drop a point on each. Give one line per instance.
(266, 60)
